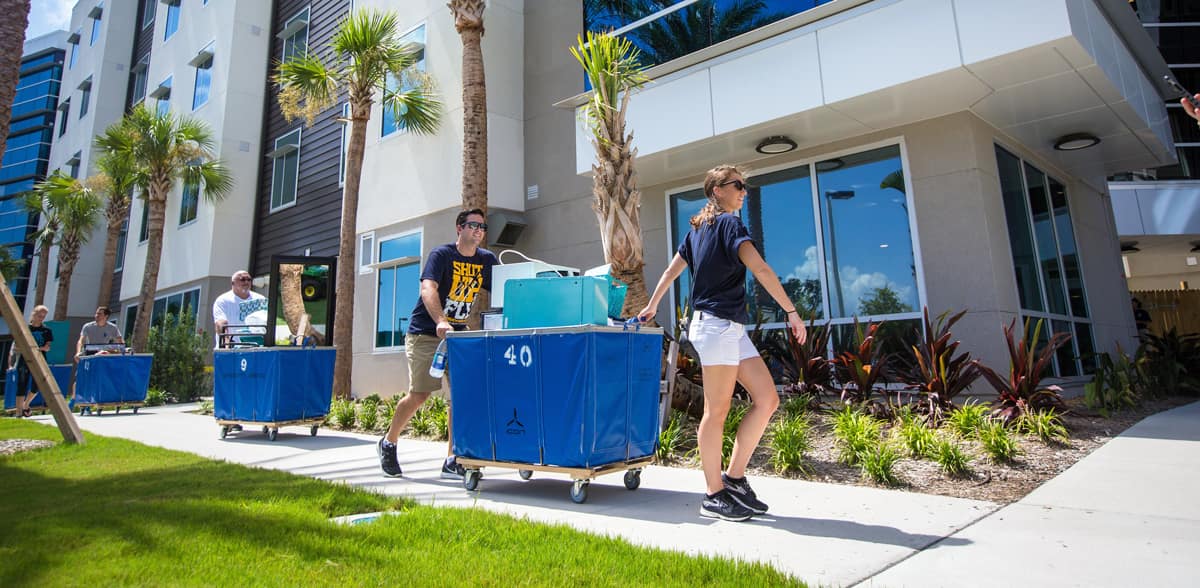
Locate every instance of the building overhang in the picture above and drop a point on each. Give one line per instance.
(1078, 66)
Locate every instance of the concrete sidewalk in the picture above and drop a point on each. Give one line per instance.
(1125, 515)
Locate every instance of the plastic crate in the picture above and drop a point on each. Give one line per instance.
(582, 396)
(556, 302)
(272, 384)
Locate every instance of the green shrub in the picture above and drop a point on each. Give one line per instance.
(733, 420)
(878, 463)
(790, 440)
(206, 406)
(797, 405)
(855, 432)
(916, 438)
(388, 410)
(1116, 385)
(431, 419)
(368, 416)
(155, 397)
(1046, 425)
(967, 419)
(670, 440)
(179, 351)
(343, 413)
(952, 459)
(997, 441)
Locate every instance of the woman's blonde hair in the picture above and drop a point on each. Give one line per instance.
(712, 179)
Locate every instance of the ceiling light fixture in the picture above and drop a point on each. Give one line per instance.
(1076, 141)
(830, 164)
(775, 145)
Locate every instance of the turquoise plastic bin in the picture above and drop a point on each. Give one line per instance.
(556, 302)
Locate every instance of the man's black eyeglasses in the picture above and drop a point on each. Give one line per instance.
(737, 184)
(475, 225)
(243, 279)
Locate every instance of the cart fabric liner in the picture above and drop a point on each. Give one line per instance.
(581, 397)
(272, 384)
(113, 379)
(62, 375)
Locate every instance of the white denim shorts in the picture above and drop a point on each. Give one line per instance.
(719, 341)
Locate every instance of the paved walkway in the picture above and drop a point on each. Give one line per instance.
(1127, 515)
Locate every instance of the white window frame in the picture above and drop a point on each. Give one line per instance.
(172, 4)
(149, 11)
(275, 161)
(291, 29)
(366, 253)
(391, 263)
(204, 60)
(141, 79)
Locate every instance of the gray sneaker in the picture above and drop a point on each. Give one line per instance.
(451, 470)
(387, 458)
(740, 491)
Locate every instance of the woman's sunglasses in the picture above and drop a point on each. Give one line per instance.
(737, 184)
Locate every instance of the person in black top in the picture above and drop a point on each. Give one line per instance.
(455, 286)
(719, 250)
(42, 336)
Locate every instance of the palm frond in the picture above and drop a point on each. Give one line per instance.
(307, 87)
(416, 104)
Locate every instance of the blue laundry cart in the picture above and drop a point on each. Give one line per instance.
(272, 387)
(113, 380)
(62, 375)
(580, 400)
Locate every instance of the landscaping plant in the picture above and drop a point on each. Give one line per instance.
(805, 367)
(998, 441)
(966, 419)
(950, 457)
(864, 367)
(797, 405)
(1173, 362)
(917, 438)
(431, 420)
(1046, 425)
(1022, 390)
(179, 351)
(878, 462)
(737, 412)
(855, 432)
(937, 373)
(670, 440)
(343, 412)
(790, 440)
(1116, 384)
(155, 397)
(368, 415)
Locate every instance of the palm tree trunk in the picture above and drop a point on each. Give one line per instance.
(43, 274)
(110, 256)
(343, 316)
(12, 40)
(618, 204)
(68, 256)
(468, 20)
(157, 201)
(290, 290)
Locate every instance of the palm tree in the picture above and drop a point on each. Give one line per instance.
(44, 238)
(366, 50)
(167, 149)
(120, 176)
(611, 65)
(12, 41)
(9, 266)
(76, 208)
(468, 21)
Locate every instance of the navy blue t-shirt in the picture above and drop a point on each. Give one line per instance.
(459, 279)
(718, 275)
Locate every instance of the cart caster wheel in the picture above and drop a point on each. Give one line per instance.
(579, 491)
(135, 410)
(224, 431)
(633, 479)
(525, 474)
(471, 480)
(313, 431)
(273, 434)
(117, 410)
(266, 430)
(99, 411)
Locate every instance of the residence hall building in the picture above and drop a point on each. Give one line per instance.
(1157, 209)
(905, 153)
(27, 155)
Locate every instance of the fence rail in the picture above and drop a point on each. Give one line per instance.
(1179, 309)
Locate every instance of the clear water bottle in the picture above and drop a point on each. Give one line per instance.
(438, 367)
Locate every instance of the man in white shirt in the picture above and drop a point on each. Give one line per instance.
(239, 307)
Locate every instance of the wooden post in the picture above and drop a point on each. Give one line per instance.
(24, 343)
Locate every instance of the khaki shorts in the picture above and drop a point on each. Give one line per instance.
(420, 350)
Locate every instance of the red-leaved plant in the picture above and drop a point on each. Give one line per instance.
(863, 367)
(1022, 391)
(936, 373)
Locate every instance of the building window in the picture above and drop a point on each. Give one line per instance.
(189, 204)
(390, 122)
(840, 241)
(172, 23)
(73, 164)
(65, 109)
(366, 252)
(74, 50)
(140, 78)
(144, 231)
(163, 94)
(203, 64)
(295, 35)
(178, 304)
(95, 24)
(285, 176)
(85, 96)
(1045, 260)
(398, 288)
(148, 8)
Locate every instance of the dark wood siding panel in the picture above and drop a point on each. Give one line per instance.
(313, 222)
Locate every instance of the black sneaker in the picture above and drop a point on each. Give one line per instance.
(722, 506)
(387, 458)
(741, 492)
(451, 470)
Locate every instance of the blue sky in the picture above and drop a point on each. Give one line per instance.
(47, 16)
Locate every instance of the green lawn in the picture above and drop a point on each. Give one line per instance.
(115, 512)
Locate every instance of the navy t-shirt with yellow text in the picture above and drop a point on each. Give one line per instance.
(459, 279)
